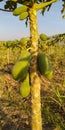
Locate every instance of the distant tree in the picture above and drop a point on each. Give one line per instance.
(29, 12)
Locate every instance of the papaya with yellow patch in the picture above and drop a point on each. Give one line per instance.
(49, 74)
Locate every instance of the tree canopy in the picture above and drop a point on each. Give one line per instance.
(10, 5)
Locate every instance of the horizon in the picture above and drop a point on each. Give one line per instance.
(28, 37)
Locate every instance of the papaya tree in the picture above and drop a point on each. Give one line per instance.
(28, 10)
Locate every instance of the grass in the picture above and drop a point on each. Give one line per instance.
(15, 111)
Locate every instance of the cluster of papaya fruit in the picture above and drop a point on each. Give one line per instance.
(21, 11)
(20, 70)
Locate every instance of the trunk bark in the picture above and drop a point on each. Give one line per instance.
(34, 78)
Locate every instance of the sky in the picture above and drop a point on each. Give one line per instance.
(11, 28)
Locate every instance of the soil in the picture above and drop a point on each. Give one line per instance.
(15, 111)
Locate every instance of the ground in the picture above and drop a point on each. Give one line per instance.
(15, 112)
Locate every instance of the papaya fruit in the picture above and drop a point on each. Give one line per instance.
(25, 55)
(44, 65)
(20, 70)
(23, 15)
(49, 74)
(25, 87)
(43, 37)
(20, 10)
(24, 41)
(14, 0)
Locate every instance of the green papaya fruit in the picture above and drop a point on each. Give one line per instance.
(20, 70)
(23, 16)
(24, 40)
(25, 87)
(49, 74)
(43, 37)
(25, 55)
(20, 10)
(14, 0)
(44, 65)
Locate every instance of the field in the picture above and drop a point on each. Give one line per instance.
(15, 112)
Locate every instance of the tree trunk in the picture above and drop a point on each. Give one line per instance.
(34, 78)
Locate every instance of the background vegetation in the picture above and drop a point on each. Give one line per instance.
(15, 111)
